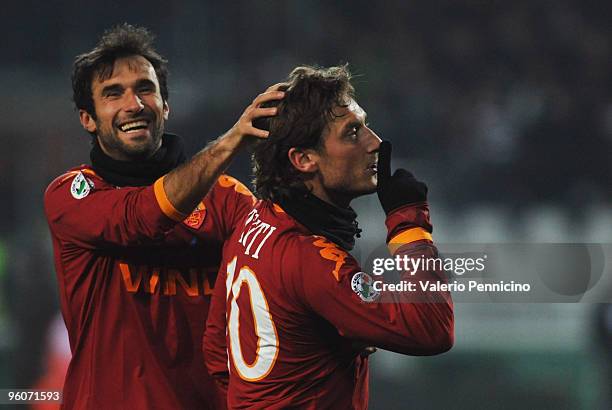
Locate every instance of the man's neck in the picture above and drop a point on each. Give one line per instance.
(333, 198)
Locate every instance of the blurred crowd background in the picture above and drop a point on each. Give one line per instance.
(503, 108)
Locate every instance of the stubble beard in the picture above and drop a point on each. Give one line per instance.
(348, 192)
(138, 151)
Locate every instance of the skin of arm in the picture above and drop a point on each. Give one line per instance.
(186, 185)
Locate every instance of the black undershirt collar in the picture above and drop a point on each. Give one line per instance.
(339, 225)
(142, 172)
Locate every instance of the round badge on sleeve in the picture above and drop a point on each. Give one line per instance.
(363, 285)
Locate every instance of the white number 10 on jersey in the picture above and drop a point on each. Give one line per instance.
(267, 338)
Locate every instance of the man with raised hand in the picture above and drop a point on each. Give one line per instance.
(294, 308)
(137, 234)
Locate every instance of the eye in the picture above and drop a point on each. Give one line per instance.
(353, 131)
(112, 93)
(146, 89)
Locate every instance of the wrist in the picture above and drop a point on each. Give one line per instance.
(231, 140)
(407, 217)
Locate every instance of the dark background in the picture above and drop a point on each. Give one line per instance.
(504, 108)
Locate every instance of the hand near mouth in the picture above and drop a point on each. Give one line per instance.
(399, 189)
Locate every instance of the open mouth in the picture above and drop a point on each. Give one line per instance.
(373, 167)
(133, 126)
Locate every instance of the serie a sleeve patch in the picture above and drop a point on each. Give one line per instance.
(81, 186)
(363, 285)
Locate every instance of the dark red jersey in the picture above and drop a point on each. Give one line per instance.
(135, 278)
(299, 311)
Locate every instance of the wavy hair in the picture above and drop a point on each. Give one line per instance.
(311, 95)
(120, 41)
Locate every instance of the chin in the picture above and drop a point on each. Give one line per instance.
(365, 190)
(370, 190)
(371, 185)
(142, 148)
(139, 151)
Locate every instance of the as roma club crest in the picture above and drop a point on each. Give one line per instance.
(196, 219)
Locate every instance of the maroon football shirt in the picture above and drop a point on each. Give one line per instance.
(299, 311)
(134, 286)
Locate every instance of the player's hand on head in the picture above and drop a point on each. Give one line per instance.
(245, 126)
(397, 189)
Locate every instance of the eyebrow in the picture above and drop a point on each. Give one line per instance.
(145, 81)
(111, 87)
(120, 88)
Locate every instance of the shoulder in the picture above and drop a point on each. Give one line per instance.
(80, 172)
(75, 184)
(229, 182)
(320, 256)
(83, 177)
(322, 269)
(226, 187)
(304, 251)
(229, 187)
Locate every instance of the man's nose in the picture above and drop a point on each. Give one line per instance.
(133, 102)
(374, 141)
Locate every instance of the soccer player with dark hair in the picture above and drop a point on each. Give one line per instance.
(293, 306)
(137, 234)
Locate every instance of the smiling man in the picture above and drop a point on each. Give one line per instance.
(130, 112)
(137, 234)
(293, 306)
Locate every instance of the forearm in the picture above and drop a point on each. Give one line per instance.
(188, 184)
(414, 320)
(429, 312)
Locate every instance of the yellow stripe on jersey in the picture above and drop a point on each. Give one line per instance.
(277, 208)
(165, 204)
(408, 236)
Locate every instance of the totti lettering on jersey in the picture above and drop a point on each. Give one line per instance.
(255, 234)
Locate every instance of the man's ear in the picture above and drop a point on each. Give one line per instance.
(303, 160)
(87, 121)
(166, 110)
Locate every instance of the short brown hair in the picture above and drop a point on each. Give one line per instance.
(311, 95)
(120, 41)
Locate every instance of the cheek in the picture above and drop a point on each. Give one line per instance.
(343, 169)
(105, 114)
(157, 104)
